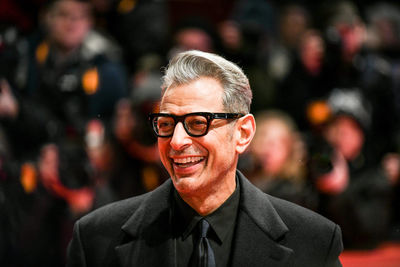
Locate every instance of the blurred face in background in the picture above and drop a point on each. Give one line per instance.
(272, 145)
(194, 39)
(346, 135)
(312, 51)
(230, 34)
(68, 23)
(293, 23)
(353, 37)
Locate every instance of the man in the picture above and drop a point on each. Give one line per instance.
(354, 192)
(203, 127)
(67, 76)
(63, 79)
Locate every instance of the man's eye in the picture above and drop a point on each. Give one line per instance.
(197, 123)
(165, 123)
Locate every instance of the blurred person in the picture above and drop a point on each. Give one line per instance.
(10, 193)
(133, 137)
(391, 166)
(279, 157)
(190, 39)
(355, 192)
(64, 78)
(200, 150)
(245, 39)
(383, 28)
(195, 33)
(46, 210)
(231, 39)
(352, 64)
(293, 21)
(101, 161)
(345, 36)
(255, 14)
(129, 23)
(69, 80)
(383, 20)
(137, 167)
(307, 79)
(255, 23)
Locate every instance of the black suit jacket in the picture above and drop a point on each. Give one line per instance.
(269, 232)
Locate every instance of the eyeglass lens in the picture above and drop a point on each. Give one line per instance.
(193, 124)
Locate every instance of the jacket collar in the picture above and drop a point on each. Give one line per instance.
(148, 232)
(258, 223)
(258, 206)
(149, 240)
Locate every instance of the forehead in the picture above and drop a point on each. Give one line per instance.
(272, 128)
(203, 94)
(70, 6)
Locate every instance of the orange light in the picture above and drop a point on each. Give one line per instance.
(28, 177)
(126, 6)
(41, 52)
(90, 81)
(318, 112)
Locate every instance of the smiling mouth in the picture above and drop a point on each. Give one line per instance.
(187, 161)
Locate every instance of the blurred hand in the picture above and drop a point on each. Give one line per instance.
(48, 165)
(336, 181)
(8, 104)
(391, 167)
(80, 200)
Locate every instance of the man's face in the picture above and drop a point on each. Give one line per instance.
(198, 165)
(69, 23)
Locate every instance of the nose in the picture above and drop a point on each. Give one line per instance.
(180, 139)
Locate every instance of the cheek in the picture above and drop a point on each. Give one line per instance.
(282, 157)
(163, 151)
(351, 143)
(221, 154)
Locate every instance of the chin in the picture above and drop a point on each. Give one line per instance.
(185, 185)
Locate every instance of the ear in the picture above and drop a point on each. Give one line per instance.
(246, 128)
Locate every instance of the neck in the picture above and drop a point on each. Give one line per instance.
(206, 203)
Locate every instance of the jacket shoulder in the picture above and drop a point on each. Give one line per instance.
(311, 232)
(113, 214)
(291, 212)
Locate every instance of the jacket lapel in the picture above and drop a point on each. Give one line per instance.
(147, 236)
(258, 223)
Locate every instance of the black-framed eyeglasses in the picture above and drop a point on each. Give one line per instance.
(196, 124)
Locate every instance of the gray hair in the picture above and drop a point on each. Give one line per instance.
(189, 66)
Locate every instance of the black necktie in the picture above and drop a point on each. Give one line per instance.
(203, 255)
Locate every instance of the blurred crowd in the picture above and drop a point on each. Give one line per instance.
(78, 78)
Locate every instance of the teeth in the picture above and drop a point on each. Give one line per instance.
(188, 160)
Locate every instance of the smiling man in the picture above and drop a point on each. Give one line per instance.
(207, 214)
